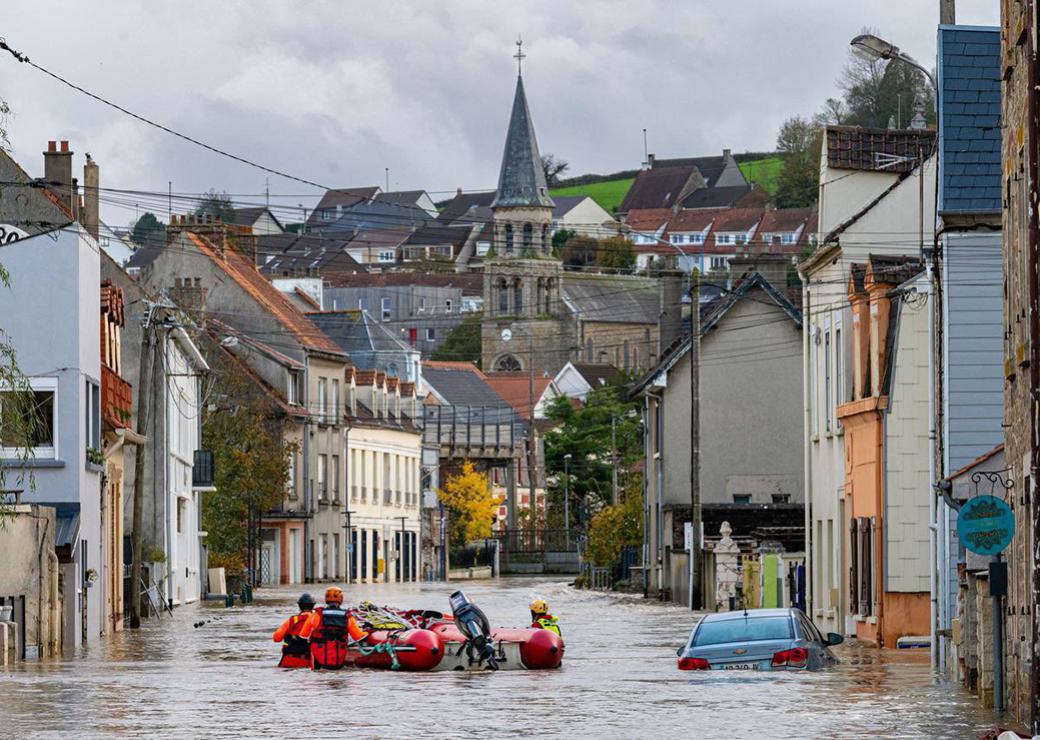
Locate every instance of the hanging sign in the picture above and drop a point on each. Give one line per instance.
(985, 524)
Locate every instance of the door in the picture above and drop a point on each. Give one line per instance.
(294, 556)
(364, 555)
(353, 556)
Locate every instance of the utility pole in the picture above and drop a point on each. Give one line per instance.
(567, 499)
(1033, 252)
(144, 392)
(947, 12)
(613, 460)
(695, 439)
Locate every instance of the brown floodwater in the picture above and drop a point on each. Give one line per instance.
(619, 680)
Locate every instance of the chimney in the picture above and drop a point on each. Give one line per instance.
(947, 12)
(670, 290)
(727, 153)
(650, 161)
(90, 217)
(458, 192)
(57, 171)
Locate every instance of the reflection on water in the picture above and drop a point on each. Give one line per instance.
(619, 679)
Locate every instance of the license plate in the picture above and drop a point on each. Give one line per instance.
(740, 667)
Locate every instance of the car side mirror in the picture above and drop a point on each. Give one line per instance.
(833, 638)
(678, 652)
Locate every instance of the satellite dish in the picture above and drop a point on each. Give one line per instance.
(507, 334)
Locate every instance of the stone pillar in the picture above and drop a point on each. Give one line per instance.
(984, 622)
(727, 561)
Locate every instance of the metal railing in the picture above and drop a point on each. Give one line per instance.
(530, 541)
(471, 427)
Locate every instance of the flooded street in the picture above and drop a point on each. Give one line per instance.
(619, 679)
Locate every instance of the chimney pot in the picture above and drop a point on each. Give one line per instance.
(726, 152)
(52, 146)
(64, 145)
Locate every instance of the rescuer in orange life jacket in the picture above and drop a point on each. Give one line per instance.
(296, 653)
(541, 618)
(328, 628)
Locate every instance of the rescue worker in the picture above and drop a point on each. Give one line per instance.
(328, 628)
(541, 618)
(295, 650)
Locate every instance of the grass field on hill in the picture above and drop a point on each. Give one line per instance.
(763, 172)
(608, 194)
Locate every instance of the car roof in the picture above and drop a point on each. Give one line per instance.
(750, 614)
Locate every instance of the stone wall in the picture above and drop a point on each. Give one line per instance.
(29, 570)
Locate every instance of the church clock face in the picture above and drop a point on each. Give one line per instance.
(507, 334)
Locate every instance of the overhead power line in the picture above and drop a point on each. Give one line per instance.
(190, 139)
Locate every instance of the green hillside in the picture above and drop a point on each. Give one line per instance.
(608, 194)
(763, 172)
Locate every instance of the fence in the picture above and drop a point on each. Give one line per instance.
(472, 427)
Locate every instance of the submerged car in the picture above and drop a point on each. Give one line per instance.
(757, 640)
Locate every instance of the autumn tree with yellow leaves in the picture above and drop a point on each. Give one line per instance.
(471, 504)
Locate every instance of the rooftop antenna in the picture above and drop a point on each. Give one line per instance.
(387, 169)
(519, 56)
(646, 151)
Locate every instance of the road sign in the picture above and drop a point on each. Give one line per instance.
(985, 525)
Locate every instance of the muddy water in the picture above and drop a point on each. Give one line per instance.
(619, 680)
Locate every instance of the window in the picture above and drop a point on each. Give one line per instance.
(781, 498)
(431, 334)
(182, 507)
(422, 305)
(335, 555)
(509, 238)
(742, 498)
(814, 377)
(323, 557)
(290, 477)
(447, 305)
(787, 239)
(677, 238)
(328, 214)
(323, 476)
(362, 304)
(720, 632)
(93, 414)
(384, 305)
(38, 408)
(335, 477)
(508, 364)
(827, 379)
(518, 296)
(740, 239)
(839, 368)
(719, 263)
(528, 235)
(386, 255)
(723, 239)
(696, 238)
(323, 411)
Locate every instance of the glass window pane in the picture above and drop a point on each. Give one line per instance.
(743, 630)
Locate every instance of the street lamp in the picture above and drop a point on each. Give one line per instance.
(567, 499)
(869, 47)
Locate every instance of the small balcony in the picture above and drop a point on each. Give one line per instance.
(202, 469)
(116, 399)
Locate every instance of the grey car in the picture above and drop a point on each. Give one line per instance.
(758, 640)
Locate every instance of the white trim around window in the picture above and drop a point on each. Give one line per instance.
(48, 452)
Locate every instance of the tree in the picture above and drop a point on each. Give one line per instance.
(251, 458)
(579, 250)
(617, 253)
(876, 92)
(463, 342)
(214, 204)
(149, 231)
(471, 504)
(617, 527)
(553, 168)
(798, 144)
(560, 237)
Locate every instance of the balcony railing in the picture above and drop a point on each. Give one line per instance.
(116, 399)
(202, 469)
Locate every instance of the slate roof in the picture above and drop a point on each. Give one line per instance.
(401, 197)
(521, 181)
(660, 187)
(711, 168)
(877, 149)
(597, 374)
(379, 215)
(566, 203)
(461, 384)
(471, 283)
(467, 208)
(612, 298)
(438, 235)
(342, 197)
(356, 331)
(282, 255)
(969, 120)
(716, 197)
(242, 270)
(249, 216)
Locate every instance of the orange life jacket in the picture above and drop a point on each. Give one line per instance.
(293, 644)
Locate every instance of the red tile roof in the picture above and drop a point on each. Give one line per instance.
(647, 219)
(737, 219)
(784, 220)
(243, 271)
(693, 220)
(515, 388)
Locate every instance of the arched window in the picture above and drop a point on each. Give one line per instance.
(508, 364)
(518, 297)
(503, 296)
(550, 286)
(538, 303)
(528, 235)
(509, 237)
(546, 239)
(589, 356)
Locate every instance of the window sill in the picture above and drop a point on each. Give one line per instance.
(815, 438)
(323, 502)
(93, 467)
(14, 462)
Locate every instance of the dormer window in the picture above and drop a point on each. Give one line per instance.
(293, 388)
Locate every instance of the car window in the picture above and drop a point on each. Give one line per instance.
(809, 629)
(749, 629)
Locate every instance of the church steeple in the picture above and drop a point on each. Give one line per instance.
(521, 181)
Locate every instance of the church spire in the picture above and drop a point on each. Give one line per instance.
(521, 181)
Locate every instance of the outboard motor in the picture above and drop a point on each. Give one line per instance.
(473, 623)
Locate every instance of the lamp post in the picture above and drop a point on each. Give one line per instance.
(873, 48)
(567, 499)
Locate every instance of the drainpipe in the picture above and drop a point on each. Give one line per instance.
(807, 449)
(646, 502)
(1033, 128)
(308, 554)
(933, 552)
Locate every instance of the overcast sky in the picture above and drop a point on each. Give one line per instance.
(336, 91)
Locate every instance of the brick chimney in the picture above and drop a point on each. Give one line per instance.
(57, 170)
(90, 217)
(650, 161)
(670, 290)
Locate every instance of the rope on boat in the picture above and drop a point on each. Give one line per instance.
(383, 647)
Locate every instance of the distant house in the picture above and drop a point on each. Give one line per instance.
(691, 182)
(417, 198)
(783, 228)
(583, 215)
(258, 219)
(305, 255)
(334, 202)
(576, 379)
(369, 343)
(517, 390)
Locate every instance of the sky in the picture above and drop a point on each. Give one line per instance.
(337, 92)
